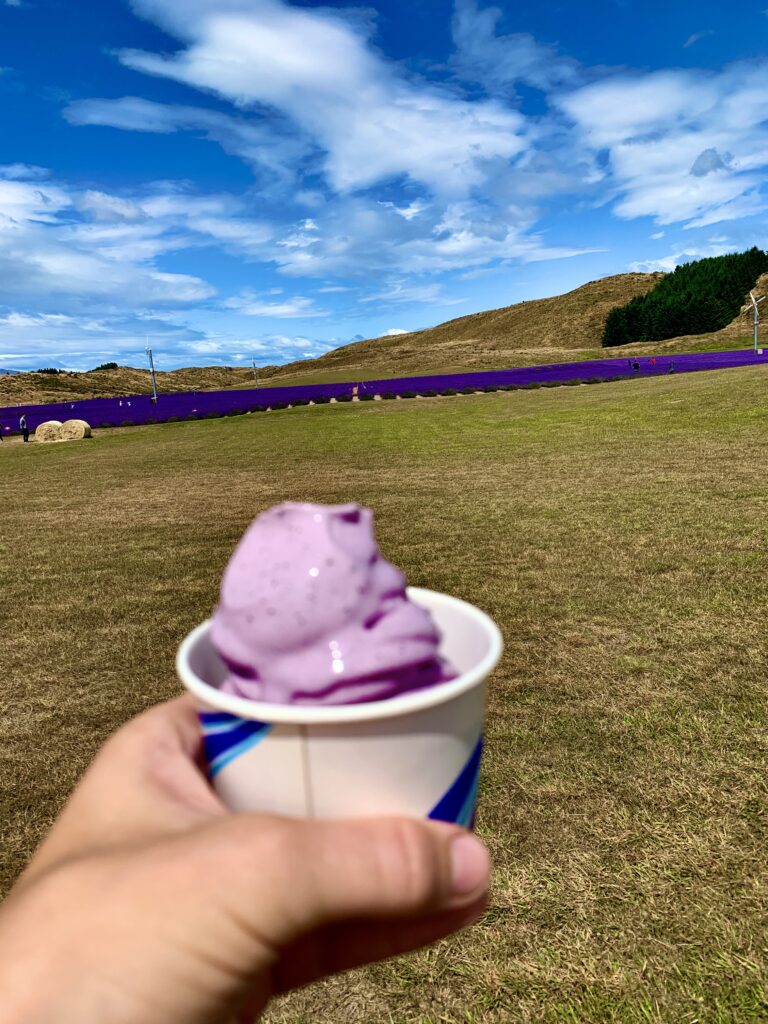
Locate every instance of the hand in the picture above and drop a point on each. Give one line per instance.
(150, 903)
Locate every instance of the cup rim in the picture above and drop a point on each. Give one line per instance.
(306, 714)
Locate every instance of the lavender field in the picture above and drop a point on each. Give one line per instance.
(140, 409)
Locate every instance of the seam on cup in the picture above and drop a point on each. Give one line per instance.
(309, 796)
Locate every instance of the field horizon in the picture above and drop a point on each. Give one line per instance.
(562, 328)
(616, 534)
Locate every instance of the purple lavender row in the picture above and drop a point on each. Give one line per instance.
(139, 409)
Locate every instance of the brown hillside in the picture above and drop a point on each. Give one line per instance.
(571, 321)
(17, 389)
(559, 329)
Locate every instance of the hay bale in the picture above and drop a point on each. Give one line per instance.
(49, 431)
(75, 430)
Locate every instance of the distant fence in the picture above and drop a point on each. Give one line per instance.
(140, 409)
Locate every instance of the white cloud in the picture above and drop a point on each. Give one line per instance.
(393, 332)
(120, 242)
(403, 291)
(106, 207)
(714, 247)
(500, 62)
(409, 211)
(29, 340)
(684, 146)
(300, 238)
(282, 348)
(734, 209)
(314, 75)
(621, 107)
(23, 172)
(265, 148)
(45, 254)
(371, 121)
(697, 37)
(244, 235)
(290, 308)
(358, 237)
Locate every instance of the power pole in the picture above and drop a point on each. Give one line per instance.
(756, 312)
(152, 373)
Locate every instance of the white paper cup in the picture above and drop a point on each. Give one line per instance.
(417, 754)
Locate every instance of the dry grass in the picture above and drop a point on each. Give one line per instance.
(51, 430)
(75, 430)
(616, 532)
(22, 388)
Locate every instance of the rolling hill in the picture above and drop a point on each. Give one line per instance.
(125, 380)
(563, 328)
(540, 331)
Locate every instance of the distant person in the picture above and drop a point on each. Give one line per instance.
(24, 428)
(629, 363)
(671, 368)
(635, 366)
(653, 360)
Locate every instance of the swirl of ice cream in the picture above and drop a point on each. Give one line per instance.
(310, 613)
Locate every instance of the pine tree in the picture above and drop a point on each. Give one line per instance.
(696, 298)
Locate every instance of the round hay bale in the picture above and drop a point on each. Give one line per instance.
(75, 430)
(49, 431)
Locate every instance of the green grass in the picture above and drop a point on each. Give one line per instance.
(616, 533)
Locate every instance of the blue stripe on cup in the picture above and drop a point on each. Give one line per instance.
(458, 804)
(226, 737)
(216, 717)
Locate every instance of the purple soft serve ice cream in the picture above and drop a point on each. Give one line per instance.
(310, 613)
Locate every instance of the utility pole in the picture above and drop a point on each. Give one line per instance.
(756, 311)
(152, 372)
(255, 372)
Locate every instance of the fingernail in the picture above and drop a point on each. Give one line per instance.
(470, 865)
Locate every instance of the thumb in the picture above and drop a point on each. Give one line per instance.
(252, 905)
(289, 877)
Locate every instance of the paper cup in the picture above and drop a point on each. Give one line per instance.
(417, 754)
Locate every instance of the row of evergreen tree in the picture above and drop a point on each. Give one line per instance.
(696, 298)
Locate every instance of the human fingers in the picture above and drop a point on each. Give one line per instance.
(146, 782)
(198, 925)
(339, 947)
(248, 889)
(316, 873)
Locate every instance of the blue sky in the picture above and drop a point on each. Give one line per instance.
(242, 179)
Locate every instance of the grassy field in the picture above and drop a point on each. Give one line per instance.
(617, 534)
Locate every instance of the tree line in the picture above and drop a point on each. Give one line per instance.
(696, 298)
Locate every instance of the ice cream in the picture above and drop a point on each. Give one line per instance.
(310, 613)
